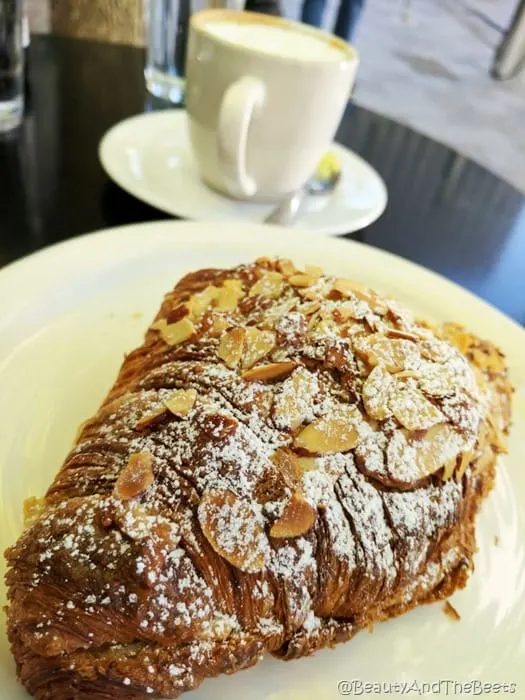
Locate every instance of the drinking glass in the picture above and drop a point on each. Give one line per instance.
(11, 65)
(167, 33)
(167, 24)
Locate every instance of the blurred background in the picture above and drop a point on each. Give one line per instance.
(425, 63)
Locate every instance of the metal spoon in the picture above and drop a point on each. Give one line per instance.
(323, 181)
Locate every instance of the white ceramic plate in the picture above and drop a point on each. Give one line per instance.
(68, 314)
(150, 157)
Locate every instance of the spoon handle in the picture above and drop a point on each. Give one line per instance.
(286, 212)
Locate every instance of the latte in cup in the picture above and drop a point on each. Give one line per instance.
(264, 99)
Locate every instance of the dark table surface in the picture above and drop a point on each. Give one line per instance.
(444, 211)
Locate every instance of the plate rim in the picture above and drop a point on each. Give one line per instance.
(152, 199)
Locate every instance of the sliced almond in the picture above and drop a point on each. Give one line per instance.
(199, 303)
(181, 401)
(407, 374)
(310, 309)
(218, 325)
(487, 458)
(231, 347)
(413, 410)
(440, 445)
(270, 285)
(375, 393)
(293, 404)
(234, 529)
(395, 333)
(307, 464)
(377, 349)
(32, 510)
(151, 419)
(347, 287)
(175, 333)
(257, 345)
(333, 433)
(136, 477)
(229, 295)
(463, 341)
(287, 462)
(302, 280)
(275, 370)
(490, 360)
(352, 288)
(343, 313)
(313, 271)
(298, 517)
(286, 267)
(449, 468)
(466, 459)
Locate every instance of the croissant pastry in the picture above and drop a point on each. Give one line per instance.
(288, 458)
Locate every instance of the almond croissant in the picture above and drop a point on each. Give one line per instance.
(287, 459)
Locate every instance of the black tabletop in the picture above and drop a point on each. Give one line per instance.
(444, 211)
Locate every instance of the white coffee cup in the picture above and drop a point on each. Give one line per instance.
(264, 99)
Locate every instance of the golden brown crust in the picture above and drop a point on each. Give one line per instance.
(287, 459)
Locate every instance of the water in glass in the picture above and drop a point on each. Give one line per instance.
(11, 65)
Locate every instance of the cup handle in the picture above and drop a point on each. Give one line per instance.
(240, 102)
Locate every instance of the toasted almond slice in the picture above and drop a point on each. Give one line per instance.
(490, 360)
(175, 333)
(292, 405)
(287, 462)
(257, 345)
(333, 433)
(413, 410)
(351, 288)
(342, 313)
(407, 374)
(486, 459)
(181, 401)
(151, 419)
(302, 280)
(376, 391)
(310, 309)
(218, 325)
(286, 267)
(32, 510)
(234, 529)
(270, 285)
(347, 287)
(307, 464)
(395, 333)
(462, 340)
(298, 517)
(136, 477)
(231, 347)
(449, 468)
(199, 303)
(393, 353)
(264, 261)
(466, 459)
(275, 370)
(440, 445)
(229, 295)
(313, 271)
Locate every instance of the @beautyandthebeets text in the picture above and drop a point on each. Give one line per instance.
(443, 687)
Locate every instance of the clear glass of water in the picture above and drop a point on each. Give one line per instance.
(167, 34)
(11, 65)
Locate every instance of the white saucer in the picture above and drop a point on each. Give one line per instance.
(149, 156)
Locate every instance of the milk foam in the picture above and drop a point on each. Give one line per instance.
(275, 40)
